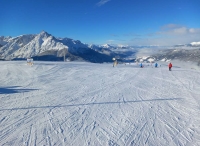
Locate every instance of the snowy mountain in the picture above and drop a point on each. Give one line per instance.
(195, 44)
(41, 43)
(191, 56)
(102, 49)
(106, 46)
(4, 40)
(44, 46)
(192, 44)
(11, 45)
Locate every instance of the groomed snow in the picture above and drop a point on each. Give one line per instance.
(73, 103)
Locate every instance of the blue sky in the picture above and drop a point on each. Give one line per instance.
(126, 22)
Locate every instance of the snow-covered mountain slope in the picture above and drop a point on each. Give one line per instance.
(83, 104)
(41, 43)
(101, 49)
(12, 45)
(107, 46)
(4, 40)
(73, 45)
(44, 46)
(45, 42)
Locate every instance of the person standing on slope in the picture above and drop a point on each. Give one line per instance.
(156, 65)
(170, 66)
(115, 63)
(141, 66)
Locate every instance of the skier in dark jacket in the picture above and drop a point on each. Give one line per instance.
(170, 66)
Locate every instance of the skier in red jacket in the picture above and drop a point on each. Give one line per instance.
(170, 66)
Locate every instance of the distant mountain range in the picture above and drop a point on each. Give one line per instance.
(193, 44)
(46, 47)
(187, 55)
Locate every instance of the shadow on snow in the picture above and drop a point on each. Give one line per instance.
(90, 104)
(13, 89)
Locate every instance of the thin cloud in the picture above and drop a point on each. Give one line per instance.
(182, 30)
(132, 34)
(114, 35)
(102, 2)
(167, 35)
(170, 26)
(133, 39)
(110, 41)
(174, 29)
(151, 34)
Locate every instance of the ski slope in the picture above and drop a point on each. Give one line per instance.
(85, 104)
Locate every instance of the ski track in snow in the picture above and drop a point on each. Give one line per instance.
(74, 103)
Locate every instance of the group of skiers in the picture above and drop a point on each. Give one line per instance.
(156, 65)
(141, 65)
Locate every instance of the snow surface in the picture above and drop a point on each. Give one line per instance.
(74, 103)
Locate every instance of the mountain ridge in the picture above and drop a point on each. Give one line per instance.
(46, 46)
